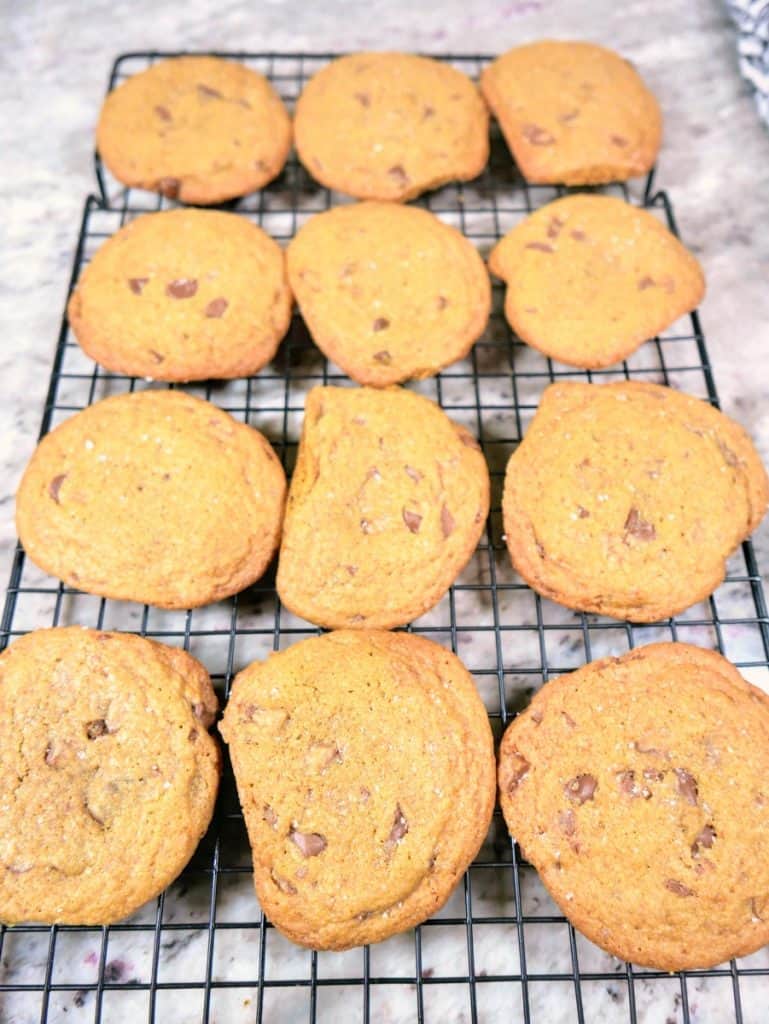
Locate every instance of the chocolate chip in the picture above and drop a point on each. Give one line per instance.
(310, 844)
(95, 728)
(399, 828)
(261, 165)
(428, 112)
(537, 135)
(705, 839)
(582, 513)
(441, 302)
(678, 888)
(321, 756)
(638, 527)
(383, 357)
(447, 522)
(366, 526)
(581, 788)
(568, 116)
(554, 227)
(537, 716)
(169, 187)
(619, 140)
(687, 786)
(517, 773)
(156, 355)
(412, 520)
(352, 569)
(244, 103)
(567, 821)
(380, 324)
(136, 284)
(207, 92)
(182, 288)
(363, 98)
(283, 884)
(469, 441)
(569, 720)
(577, 235)
(269, 816)
(627, 783)
(192, 735)
(216, 308)
(645, 282)
(539, 246)
(415, 475)
(55, 486)
(163, 113)
(399, 176)
(729, 456)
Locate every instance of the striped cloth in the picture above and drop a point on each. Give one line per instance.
(752, 20)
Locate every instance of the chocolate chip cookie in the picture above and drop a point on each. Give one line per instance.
(627, 498)
(388, 292)
(390, 125)
(637, 788)
(155, 497)
(387, 503)
(573, 113)
(199, 129)
(590, 278)
(107, 770)
(183, 295)
(365, 768)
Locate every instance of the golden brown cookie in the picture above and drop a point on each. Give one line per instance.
(183, 295)
(387, 503)
(390, 125)
(107, 770)
(365, 768)
(637, 788)
(590, 277)
(199, 129)
(573, 113)
(388, 292)
(155, 497)
(627, 498)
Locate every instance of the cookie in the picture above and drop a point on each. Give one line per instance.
(154, 497)
(573, 113)
(637, 788)
(107, 770)
(627, 498)
(590, 278)
(183, 295)
(365, 767)
(388, 292)
(390, 126)
(387, 503)
(198, 129)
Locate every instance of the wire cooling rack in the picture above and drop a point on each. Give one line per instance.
(499, 951)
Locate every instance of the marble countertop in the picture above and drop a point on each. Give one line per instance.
(715, 164)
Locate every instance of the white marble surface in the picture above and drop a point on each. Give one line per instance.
(715, 163)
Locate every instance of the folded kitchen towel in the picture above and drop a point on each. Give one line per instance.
(752, 20)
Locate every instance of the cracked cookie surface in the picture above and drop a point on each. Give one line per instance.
(365, 767)
(627, 498)
(156, 497)
(107, 771)
(198, 129)
(388, 292)
(590, 278)
(573, 113)
(637, 788)
(391, 125)
(183, 295)
(387, 503)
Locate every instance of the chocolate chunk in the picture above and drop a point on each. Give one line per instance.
(95, 728)
(163, 113)
(380, 324)
(554, 227)
(136, 284)
(399, 828)
(169, 187)
(537, 135)
(156, 355)
(687, 786)
(415, 475)
(645, 282)
(678, 888)
(204, 716)
(399, 176)
(705, 839)
(539, 246)
(207, 92)
(447, 522)
(639, 528)
(216, 308)
(577, 235)
(283, 884)
(582, 513)
(618, 140)
(310, 844)
(628, 785)
(55, 486)
(515, 776)
(363, 98)
(412, 520)
(383, 356)
(581, 788)
(182, 288)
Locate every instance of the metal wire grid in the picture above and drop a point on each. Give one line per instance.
(499, 950)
